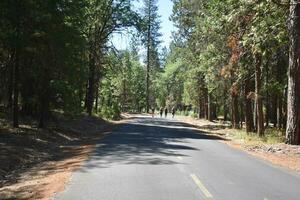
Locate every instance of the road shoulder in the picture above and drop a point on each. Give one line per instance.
(43, 178)
(280, 154)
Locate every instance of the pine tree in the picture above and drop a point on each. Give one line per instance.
(151, 37)
(293, 104)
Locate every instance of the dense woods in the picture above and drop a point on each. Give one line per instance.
(229, 59)
(235, 59)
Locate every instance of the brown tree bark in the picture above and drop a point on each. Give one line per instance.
(254, 115)
(279, 112)
(225, 110)
(214, 111)
(258, 96)
(241, 116)
(205, 104)
(274, 100)
(225, 106)
(267, 102)
(234, 105)
(209, 108)
(248, 108)
(91, 86)
(234, 110)
(225, 114)
(97, 96)
(200, 113)
(293, 99)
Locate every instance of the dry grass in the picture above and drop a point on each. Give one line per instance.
(35, 163)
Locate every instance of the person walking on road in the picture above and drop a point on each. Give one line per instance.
(173, 111)
(152, 112)
(161, 111)
(166, 111)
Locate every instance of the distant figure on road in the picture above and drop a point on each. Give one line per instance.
(166, 111)
(161, 111)
(152, 112)
(173, 111)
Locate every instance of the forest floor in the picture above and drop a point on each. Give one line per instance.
(270, 148)
(36, 163)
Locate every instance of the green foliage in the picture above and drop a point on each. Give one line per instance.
(59, 45)
(214, 48)
(111, 112)
(67, 63)
(123, 87)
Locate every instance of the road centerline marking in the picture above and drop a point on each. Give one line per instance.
(201, 186)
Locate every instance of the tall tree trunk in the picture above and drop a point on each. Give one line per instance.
(293, 99)
(45, 89)
(16, 67)
(267, 103)
(235, 110)
(242, 116)
(91, 85)
(9, 104)
(254, 115)
(225, 114)
(148, 62)
(279, 112)
(205, 104)
(199, 106)
(209, 107)
(284, 110)
(97, 96)
(203, 109)
(234, 103)
(86, 95)
(248, 108)
(214, 111)
(258, 96)
(274, 99)
(225, 107)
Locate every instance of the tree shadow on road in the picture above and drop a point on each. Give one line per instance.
(151, 141)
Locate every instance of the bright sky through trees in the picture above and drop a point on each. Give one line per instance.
(122, 40)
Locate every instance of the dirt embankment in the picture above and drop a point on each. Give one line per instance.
(281, 154)
(36, 163)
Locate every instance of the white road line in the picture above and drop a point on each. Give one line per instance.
(201, 186)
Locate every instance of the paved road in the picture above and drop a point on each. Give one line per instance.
(163, 159)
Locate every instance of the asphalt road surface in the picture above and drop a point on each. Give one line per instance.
(164, 159)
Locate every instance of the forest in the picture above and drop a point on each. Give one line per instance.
(232, 60)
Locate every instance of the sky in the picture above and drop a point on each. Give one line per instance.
(121, 41)
(165, 11)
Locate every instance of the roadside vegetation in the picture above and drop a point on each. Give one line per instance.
(231, 58)
(238, 59)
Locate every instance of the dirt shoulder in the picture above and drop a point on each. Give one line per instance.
(287, 156)
(37, 163)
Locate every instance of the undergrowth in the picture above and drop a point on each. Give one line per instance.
(271, 136)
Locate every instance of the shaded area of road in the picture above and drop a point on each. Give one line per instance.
(156, 158)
